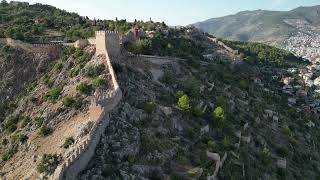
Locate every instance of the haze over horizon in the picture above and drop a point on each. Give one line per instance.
(179, 12)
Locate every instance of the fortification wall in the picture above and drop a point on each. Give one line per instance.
(107, 42)
(83, 153)
(165, 59)
(51, 48)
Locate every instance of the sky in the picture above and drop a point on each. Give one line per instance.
(173, 12)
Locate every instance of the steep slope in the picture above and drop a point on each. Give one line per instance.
(267, 26)
(154, 135)
(46, 113)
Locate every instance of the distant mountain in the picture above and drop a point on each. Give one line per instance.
(272, 27)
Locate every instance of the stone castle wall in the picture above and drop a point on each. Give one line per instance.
(83, 153)
(111, 43)
(50, 48)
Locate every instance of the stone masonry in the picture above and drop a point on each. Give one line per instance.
(107, 44)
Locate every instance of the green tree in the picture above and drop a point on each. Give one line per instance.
(68, 142)
(265, 156)
(183, 103)
(48, 163)
(149, 107)
(68, 101)
(198, 111)
(218, 116)
(192, 87)
(84, 88)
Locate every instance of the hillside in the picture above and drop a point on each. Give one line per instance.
(164, 127)
(41, 23)
(173, 104)
(272, 27)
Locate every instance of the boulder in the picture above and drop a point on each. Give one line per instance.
(166, 110)
(282, 163)
(195, 173)
(205, 130)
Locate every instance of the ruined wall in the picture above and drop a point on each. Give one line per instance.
(51, 48)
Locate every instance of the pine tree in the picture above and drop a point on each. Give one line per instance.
(183, 103)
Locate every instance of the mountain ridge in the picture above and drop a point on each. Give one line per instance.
(261, 25)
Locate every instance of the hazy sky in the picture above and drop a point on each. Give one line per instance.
(173, 12)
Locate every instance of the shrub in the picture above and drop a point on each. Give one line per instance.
(68, 101)
(218, 117)
(66, 52)
(84, 88)
(68, 142)
(167, 78)
(53, 94)
(81, 57)
(221, 101)
(8, 153)
(48, 163)
(57, 67)
(226, 143)
(23, 138)
(10, 124)
(41, 68)
(44, 130)
(244, 85)
(25, 122)
(74, 71)
(183, 103)
(265, 156)
(32, 86)
(282, 151)
(211, 146)
(38, 121)
(149, 107)
(46, 81)
(176, 176)
(198, 111)
(32, 99)
(107, 172)
(94, 71)
(179, 94)
(5, 142)
(192, 87)
(99, 82)
(78, 101)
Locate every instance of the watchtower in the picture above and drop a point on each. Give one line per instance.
(107, 41)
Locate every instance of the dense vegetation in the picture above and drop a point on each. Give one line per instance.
(174, 44)
(261, 53)
(42, 23)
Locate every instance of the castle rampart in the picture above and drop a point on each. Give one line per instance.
(105, 45)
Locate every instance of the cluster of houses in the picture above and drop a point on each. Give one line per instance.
(306, 42)
(136, 33)
(303, 85)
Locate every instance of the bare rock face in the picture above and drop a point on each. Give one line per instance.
(18, 68)
(282, 164)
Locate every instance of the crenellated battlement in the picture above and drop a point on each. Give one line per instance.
(107, 43)
(107, 32)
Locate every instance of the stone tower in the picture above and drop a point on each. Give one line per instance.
(107, 42)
